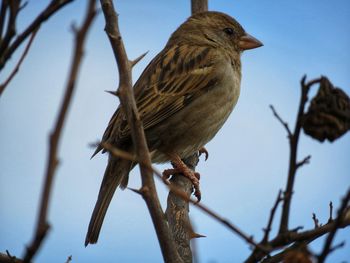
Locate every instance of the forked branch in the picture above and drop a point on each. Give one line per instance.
(42, 224)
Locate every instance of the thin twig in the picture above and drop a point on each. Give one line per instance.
(3, 14)
(290, 237)
(42, 223)
(316, 222)
(69, 259)
(272, 215)
(15, 70)
(336, 224)
(13, 9)
(128, 103)
(330, 219)
(306, 160)
(293, 165)
(52, 8)
(278, 117)
(286, 236)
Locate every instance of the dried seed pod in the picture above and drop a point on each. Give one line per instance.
(328, 116)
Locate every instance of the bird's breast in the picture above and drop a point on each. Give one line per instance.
(197, 123)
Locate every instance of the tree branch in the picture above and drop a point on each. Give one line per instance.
(293, 165)
(327, 249)
(8, 258)
(42, 223)
(8, 49)
(272, 215)
(177, 207)
(15, 70)
(291, 237)
(128, 103)
(198, 6)
(184, 196)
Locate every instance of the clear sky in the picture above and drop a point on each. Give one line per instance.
(248, 158)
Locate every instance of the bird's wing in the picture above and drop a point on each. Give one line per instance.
(174, 78)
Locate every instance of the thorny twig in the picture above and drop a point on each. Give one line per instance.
(127, 100)
(42, 224)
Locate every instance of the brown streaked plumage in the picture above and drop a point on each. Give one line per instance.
(184, 96)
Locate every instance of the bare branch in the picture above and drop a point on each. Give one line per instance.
(306, 160)
(293, 165)
(330, 219)
(15, 70)
(316, 222)
(295, 237)
(336, 225)
(286, 236)
(8, 50)
(42, 223)
(69, 259)
(128, 103)
(272, 215)
(198, 6)
(180, 225)
(285, 124)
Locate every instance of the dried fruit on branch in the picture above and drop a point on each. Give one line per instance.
(328, 116)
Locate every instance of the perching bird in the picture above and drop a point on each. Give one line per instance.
(184, 96)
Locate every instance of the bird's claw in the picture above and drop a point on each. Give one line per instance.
(181, 168)
(203, 150)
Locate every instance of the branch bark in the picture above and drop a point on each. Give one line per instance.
(127, 100)
(177, 208)
(43, 226)
(293, 143)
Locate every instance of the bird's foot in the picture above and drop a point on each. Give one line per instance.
(181, 168)
(203, 150)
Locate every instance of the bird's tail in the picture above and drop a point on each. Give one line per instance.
(117, 173)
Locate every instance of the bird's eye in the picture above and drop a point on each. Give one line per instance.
(229, 31)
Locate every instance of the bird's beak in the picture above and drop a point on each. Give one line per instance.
(248, 42)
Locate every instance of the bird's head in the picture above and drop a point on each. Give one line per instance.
(215, 29)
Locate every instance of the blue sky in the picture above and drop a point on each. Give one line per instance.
(248, 158)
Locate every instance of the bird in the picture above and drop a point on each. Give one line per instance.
(184, 96)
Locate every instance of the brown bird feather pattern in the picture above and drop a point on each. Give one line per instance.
(184, 96)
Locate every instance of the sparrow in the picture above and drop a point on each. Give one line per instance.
(184, 96)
